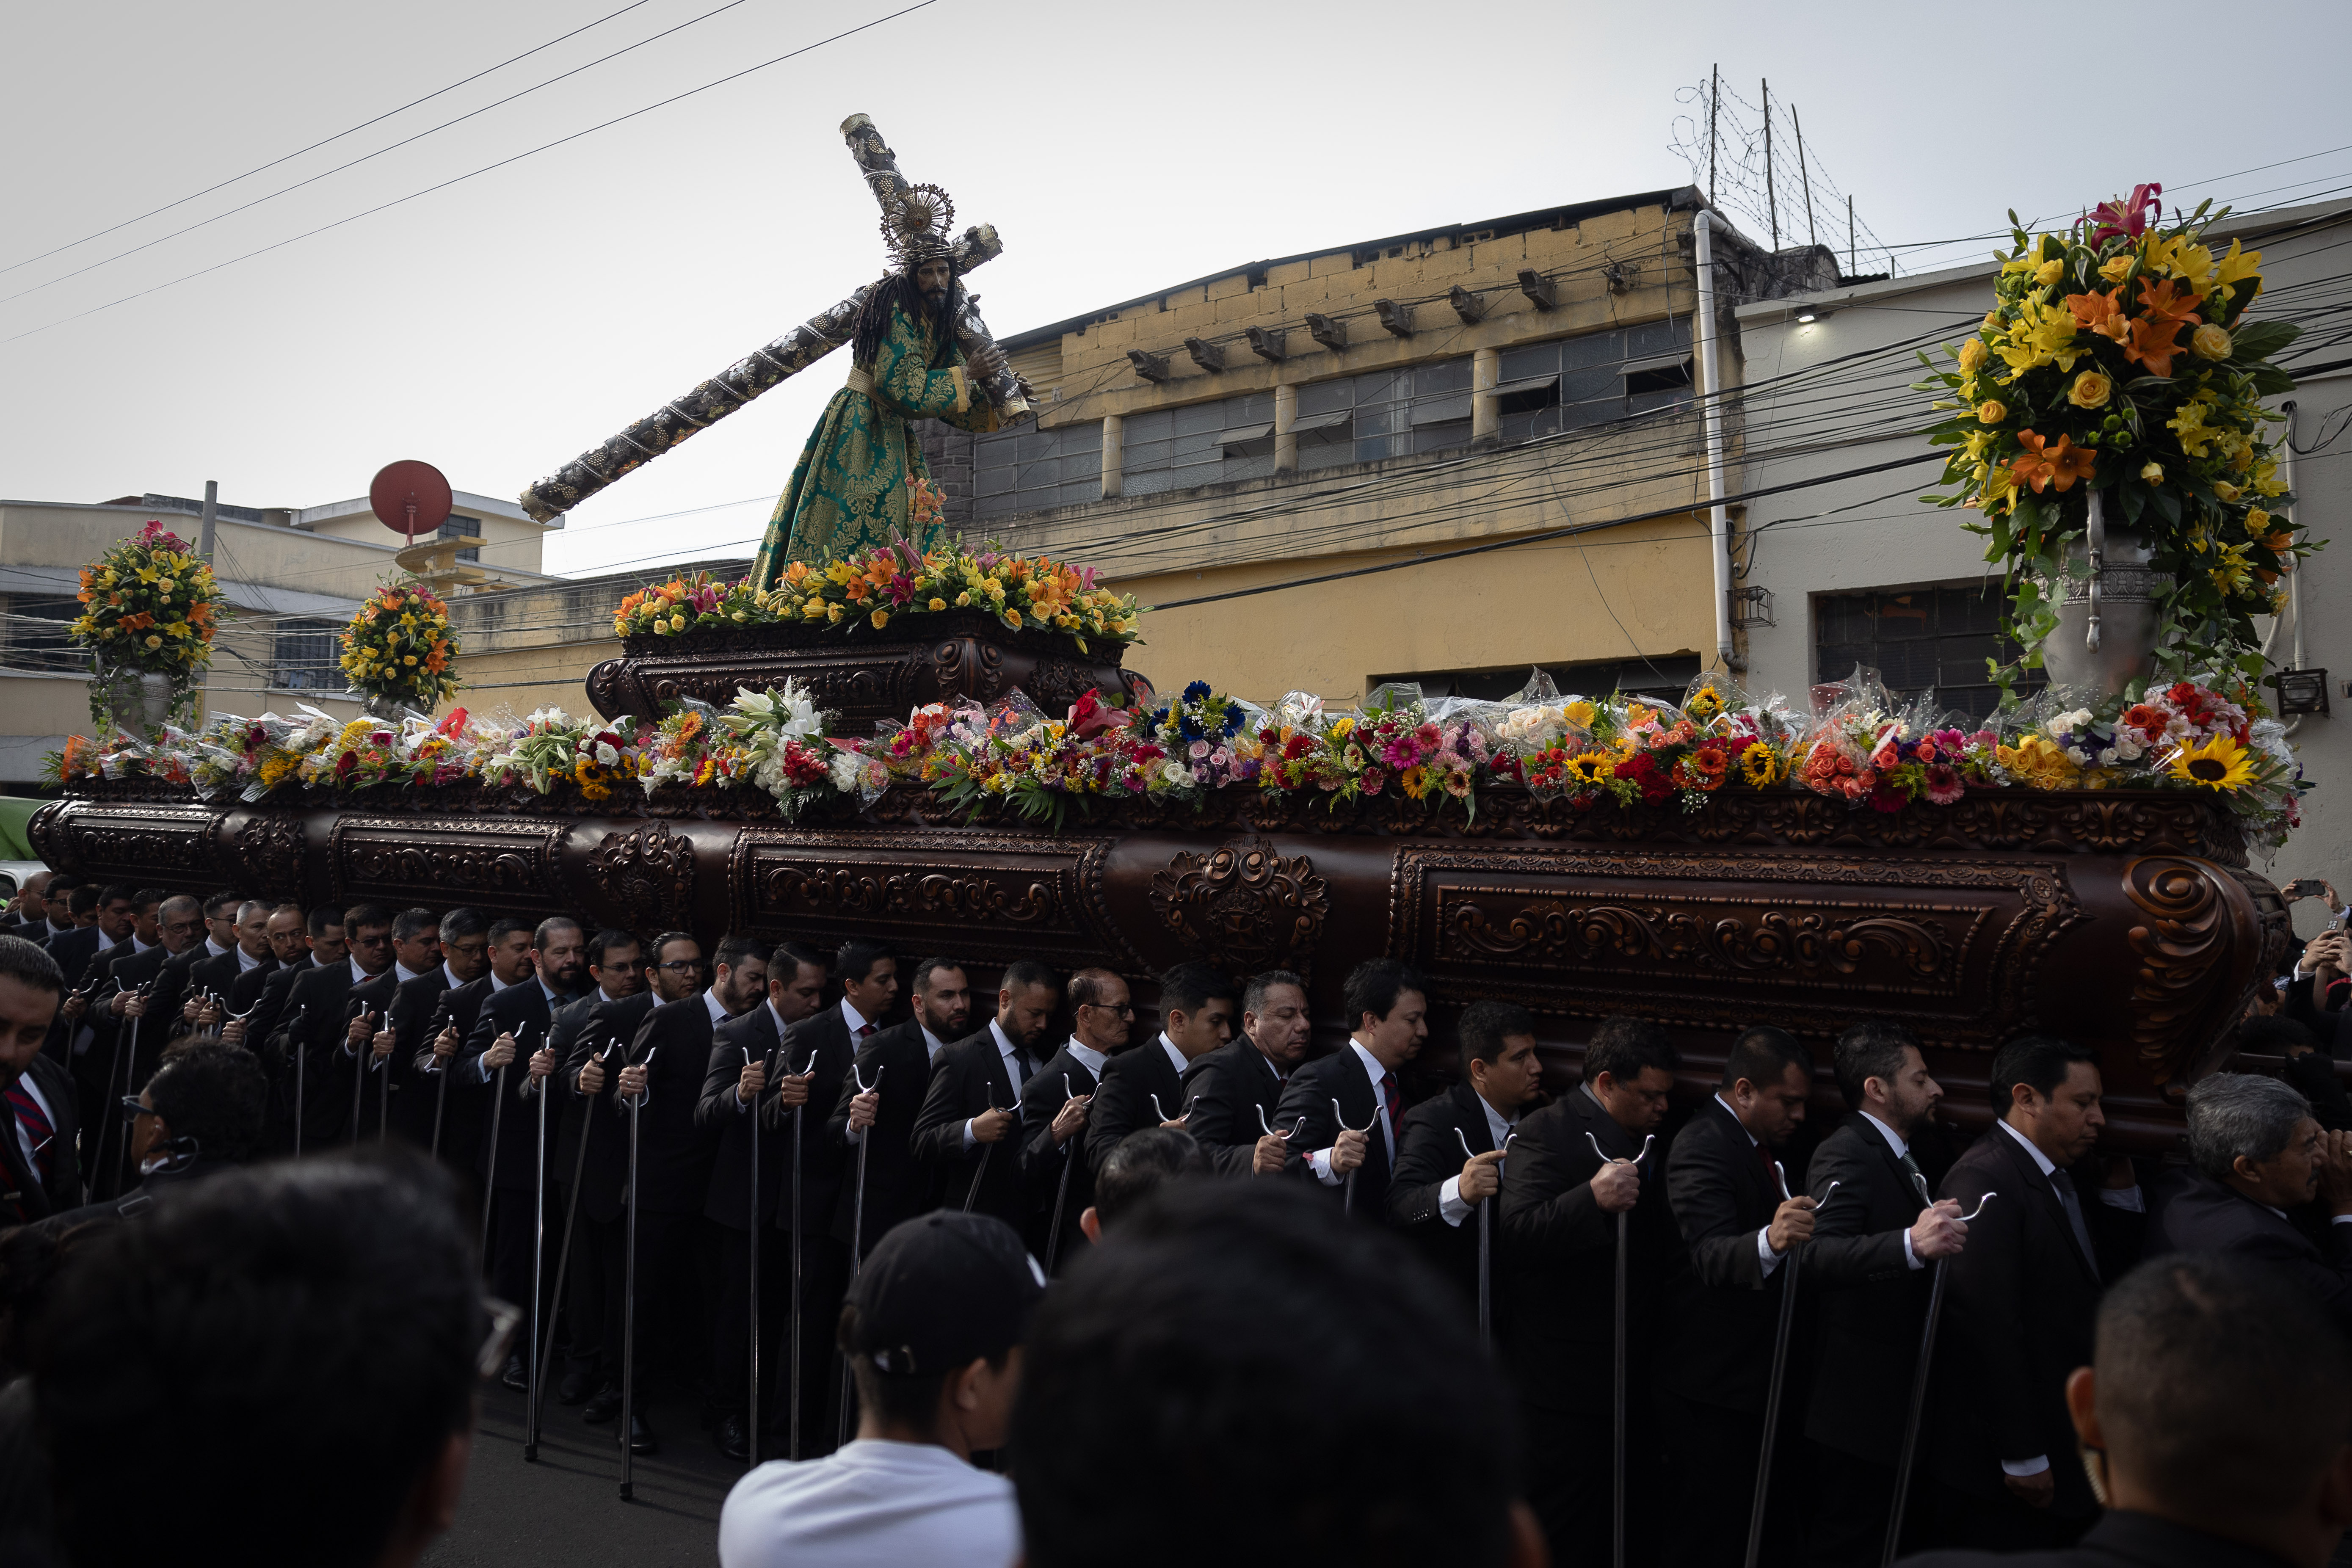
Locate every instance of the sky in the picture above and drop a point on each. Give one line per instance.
(498, 326)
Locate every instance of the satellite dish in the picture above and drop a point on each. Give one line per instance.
(411, 498)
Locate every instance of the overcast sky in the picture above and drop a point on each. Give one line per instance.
(498, 327)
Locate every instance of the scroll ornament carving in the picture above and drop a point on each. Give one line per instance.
(972, 897)
(1246, 907)
(647, 874)
(1809, 943)
(271, 846)
(2179, 1002)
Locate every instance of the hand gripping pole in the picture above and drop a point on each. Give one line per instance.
(1617, 1472)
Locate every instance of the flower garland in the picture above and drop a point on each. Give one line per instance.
(682, 605)
(399, 647)
(2117, 359)
(149, 604)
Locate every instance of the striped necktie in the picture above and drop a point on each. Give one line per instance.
(36, 1124)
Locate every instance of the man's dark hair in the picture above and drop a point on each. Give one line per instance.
(1374, 986)
(655, 947)
(553, 927)
(216, 902)
(151, 897)
(321, 919)
(1871, 1049)
(214, 1094)
(857, 958)
(2275, 1035)
(59, 882)
(1486, 1025)
(609, 940)
(1763, 1054)
(410, 925)
(1145, 1160)
(2221, 1386)
(506, 926)
(322, 1313)
(460, 924)
(2041, 1062)
(906, 1400)
(736, 947)
(366, 917)
(1088, 987)
(902, 290)
(84, 898)
(926, 967)
(1622, 1046)
(1287, 1364)
(126, 893)
(1189, 987)
(1262, 983)
(30, 965)
(798, 954)
(1024, 973)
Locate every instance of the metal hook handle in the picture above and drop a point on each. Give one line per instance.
(1636, 1160)
(1980, 1207)
(1163, 1116)
(1338, 1117)
(858, 1073)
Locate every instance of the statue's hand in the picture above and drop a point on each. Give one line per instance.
(985, 361)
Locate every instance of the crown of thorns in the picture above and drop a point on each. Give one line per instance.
(915, 222)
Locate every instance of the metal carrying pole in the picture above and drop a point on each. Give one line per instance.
(571, 1215)
(753, 1451)
(980, 1172)
(1919, 1383)
(301, 1065)
(1062, 1187)
(793, 1420)
(1617, 1468)
(1779, 1369)
(1485, 1246)
(857, 1232)
(130, 1072)
(629, 1301)
(497, 1110)
(441, 1091)
(1347, 1201)
(538, 1262)
(360, 1058)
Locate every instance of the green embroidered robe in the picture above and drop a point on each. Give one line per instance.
(854, 487)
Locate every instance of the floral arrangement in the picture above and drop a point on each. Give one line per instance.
(2117, 362)
(870, 590)
(149, 604)
(399, 647)
(782, 737)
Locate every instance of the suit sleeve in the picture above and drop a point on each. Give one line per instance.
(1305, 1108)
(1842, 1252)
(1118, 1109)
(719, 1104)
(1548, 1205)
(1983, 1283)
(1706, 1203)
(937, 1137)
(1429, 1156)
(1042, 1099)
(1213, 1116)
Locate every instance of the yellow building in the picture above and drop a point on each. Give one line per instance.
(292, 576)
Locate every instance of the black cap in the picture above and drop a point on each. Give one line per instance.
(941, 1291)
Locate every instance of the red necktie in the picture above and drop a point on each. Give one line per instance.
(36, 1124)
(864, 1030)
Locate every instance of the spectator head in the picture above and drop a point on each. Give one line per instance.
(2215, 1399)
(1767, 1079)
(205, 1101)
(1499, 1054)
(1277, 1018)
(2257, 1135)
(1316, 1379)
(1026, 998)
(1386, 1005)
(2272, 1035)
(796, 975)
(1630, 1066)
(2048, 1090)
(560, 946)
(31, 987)
(1145, 1160)
(933, 1328)
(1197, 1008)
(616, 964)
(322, 1313)
(739, 972)
(942, 997)
(869, 977)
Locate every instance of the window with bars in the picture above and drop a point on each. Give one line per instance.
(33, 633)
(1665, 678)
(1028, 469)
(1920, 639)
(463, 528)
(303, 655)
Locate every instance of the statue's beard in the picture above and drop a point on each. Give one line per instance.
(937, 298)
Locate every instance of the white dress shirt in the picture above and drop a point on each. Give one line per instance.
(402, 975)
(718, 1011)
(1320, 1161)
(244, 960)
(1450, 1206)
(856, 1022)
(1087, 1057)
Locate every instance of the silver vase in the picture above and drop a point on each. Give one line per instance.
(136, 702)
(2108, 620)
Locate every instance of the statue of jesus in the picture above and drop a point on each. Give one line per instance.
(854, 487)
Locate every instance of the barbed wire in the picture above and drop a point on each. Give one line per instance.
(1753, 164)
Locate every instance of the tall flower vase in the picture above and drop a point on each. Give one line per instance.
(138, 702)
(2107, 615)
(389, 710)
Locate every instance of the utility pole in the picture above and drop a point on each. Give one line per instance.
(1851, 265)
(1772, 202)
(1804, 174)
(1714, 93)
(212, 504)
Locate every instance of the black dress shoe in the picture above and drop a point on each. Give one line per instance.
(604, 1406)
(516, 1376)
(641, 1436)
(734, 1441)
(573, 1388)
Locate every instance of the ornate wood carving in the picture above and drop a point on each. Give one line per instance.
(1245, 907)
(271, 847)
(647, 873)
(501, 863)
(158, 844)
(2197, 947)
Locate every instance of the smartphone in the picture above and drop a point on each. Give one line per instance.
(2305, 887)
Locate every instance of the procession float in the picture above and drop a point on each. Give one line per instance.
(944, 747)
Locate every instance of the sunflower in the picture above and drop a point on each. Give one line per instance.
(1590, 768)
(2220, 763)
(1761, 766)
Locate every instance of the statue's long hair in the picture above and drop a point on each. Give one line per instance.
(874, 319)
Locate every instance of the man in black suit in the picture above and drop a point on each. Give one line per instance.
(285, 940)
(517, 1016)
(38, 1116)
(139, 998)
(1231, 1093)
(2213, 1416)
(2021, 1301)
(1557, 1221)
(328, 1022)
(1874, 1238)
(505, 962)
(1054, 1113)
(217, 974)
(77, 948)
(267, 1027)
(972, 1103)
(390, 1076)
(1737, 1228)
(588, 1036)
(2259, 1153)
(1346, 1109)
(1438, 1190)
(420, 1016)
(83, 954)
(27, 916)
(877, 1127)
(1197, 1009)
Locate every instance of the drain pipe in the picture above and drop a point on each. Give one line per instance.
(2295, 578)
(1710, 414)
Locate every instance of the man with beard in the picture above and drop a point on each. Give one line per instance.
(507, 962)
(1230, 1095)
(519, 1016)
(1438, 1190)
(329, 1006)
(420, 1016)
(853, 488)
(896, 1066)
(1054, 1113)
(391, 1071)
(968, 1107)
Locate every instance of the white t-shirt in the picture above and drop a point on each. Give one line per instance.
(889, 1505)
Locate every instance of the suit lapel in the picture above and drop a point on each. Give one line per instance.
(2045, 1197)
(1470, 1115)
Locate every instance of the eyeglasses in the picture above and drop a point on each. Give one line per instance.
(131, 1106)
(622, 965)
(1125, 1009)
(684, 966)
(184, 927)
